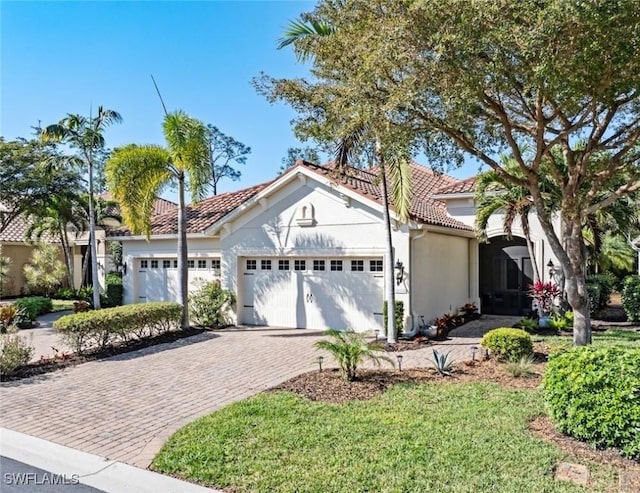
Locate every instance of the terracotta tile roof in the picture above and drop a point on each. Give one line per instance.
(16, 230)
(425, 182)
(463, 186)
(160, 206)
(201, 217)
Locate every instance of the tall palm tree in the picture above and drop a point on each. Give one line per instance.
(87, 136)
(392, 160)
(137, 174)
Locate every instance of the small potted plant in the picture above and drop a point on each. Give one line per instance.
(544, 294)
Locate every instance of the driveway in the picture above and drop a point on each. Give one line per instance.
(125, 407)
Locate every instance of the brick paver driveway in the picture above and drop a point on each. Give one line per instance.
(125, 407)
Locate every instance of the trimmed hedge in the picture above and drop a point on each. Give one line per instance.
(593, 394)
(507, 343)
(109, 326)
(34, 305)
(113, 290)
(631, 297)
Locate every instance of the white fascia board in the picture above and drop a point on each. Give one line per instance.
(284, 180)
(446, 196)
(449, 231)
(155, 237)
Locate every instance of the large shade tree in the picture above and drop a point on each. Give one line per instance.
(136, 175)
(86, 136)
(476, 78)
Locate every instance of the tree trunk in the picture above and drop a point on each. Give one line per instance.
(576, 285)
(67, 256)
(92, 243)
(388, 256)
(182, 255)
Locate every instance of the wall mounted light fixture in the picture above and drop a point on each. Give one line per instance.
(399, 270)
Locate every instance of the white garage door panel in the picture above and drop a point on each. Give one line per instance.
(315, 299)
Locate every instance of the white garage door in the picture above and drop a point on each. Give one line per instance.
(158, 280)
(314, 293)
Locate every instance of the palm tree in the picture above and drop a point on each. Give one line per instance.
(137, 174)
(392, 160)
(86, 135)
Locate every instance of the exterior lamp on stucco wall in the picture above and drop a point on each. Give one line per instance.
(399, 269)
(552, 268)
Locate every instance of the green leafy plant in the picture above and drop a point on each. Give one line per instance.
(113, 290)
(605, 283)
(7, 314)
(15, 352)
(5, 265)
(507, 344)
(631, 297)
(593, 293)
(398, 314)
(560, 322)
(593, 394)
(522, 367)
(110, 326)
(210, 305)
(350, 349)
(442, 363)
(22, 320)
(528, 324)
(66, 293)
(34, 305)
(45, 271)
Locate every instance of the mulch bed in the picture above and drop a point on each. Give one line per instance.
(64, 360)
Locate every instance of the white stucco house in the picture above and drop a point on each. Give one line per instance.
(306, 250)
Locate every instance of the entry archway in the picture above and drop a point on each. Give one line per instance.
(505, 275)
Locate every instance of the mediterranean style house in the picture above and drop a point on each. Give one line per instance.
(306, 250)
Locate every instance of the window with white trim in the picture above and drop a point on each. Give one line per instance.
(144, 264)
(191, 264)
(202, 264)
(299, 265)
(265, 264)
(283, 265)
(166, 264)
(336, 265)
(251, 264)
(175, 264)
(357, 265)
(318, 265)
(154, 264)
(375, 265)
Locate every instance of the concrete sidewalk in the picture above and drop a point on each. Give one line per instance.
(87, 469)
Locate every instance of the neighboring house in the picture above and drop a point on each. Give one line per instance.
(19, 248)
(306, 250)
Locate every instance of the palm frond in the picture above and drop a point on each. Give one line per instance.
(299, 30)
(399, 172)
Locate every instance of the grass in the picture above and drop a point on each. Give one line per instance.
(62, 305)
(610, 337)
(423, 438)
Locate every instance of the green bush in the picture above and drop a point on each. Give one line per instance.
(631, 297)
(398, 315)
(210, 305)
(107, 327)
(506, 343)
(113, 290)
(605, 283)
(593, 394)
(593, 292)
(35, 305)
(66, 293)
(15, 352)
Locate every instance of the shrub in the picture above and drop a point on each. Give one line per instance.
(66, 293)
(7, 314)
(5, 264)
(593, 293)
(107, 327)
(15, 352)
(606, 283)
(113, 290)
(528, 324)
(398, 315)
(561, 322)
(209, 306)
(35, 305)
(46, 271)
(593, 394)
(507, 343)
(544, 294)
(631, 297)
(350, 349)
(442, 363)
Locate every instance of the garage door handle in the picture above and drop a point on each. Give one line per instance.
(309, 297)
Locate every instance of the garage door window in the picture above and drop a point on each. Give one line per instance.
(154, 264)
(252, 265)
(318, 265)
(191, 264)
(265, 264)
(283, 265)
(357, 265)
(375, 265)
(144, 264)
(166, 264)
(299, 265)
(336, 265)
(202, 264)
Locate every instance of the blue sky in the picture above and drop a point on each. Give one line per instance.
(64, 57)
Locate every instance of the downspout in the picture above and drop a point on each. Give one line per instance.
(414, 324)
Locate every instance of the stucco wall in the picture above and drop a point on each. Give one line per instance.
(20, 254)
(441, 275)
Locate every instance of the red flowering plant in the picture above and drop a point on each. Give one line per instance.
(544, 293)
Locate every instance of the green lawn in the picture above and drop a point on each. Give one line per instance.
(610, 337)
(62, 305)
(425, 438)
